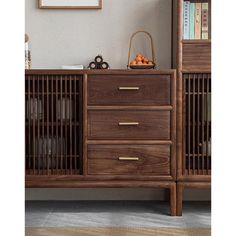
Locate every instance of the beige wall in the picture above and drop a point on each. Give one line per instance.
(61, 37)
(66, 37)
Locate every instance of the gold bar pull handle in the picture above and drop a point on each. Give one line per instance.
(128, 123)
(129, 88)
(128, 158)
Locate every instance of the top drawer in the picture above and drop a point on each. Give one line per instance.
(132, 90)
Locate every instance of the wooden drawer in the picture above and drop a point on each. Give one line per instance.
(196, 56)
(113, 124)
(152, 90)
(129, 160)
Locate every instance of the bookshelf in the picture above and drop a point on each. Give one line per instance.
(194, 106)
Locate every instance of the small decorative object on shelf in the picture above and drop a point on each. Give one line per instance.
(27, 53)
(98, 64)
(141, 62)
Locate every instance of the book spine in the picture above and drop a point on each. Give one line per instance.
(186, 19)
(205, 21)
(192, 21)
(198, 20)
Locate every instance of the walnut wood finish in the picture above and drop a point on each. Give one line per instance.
(129, 159)
(193, 109)
(142, 90)
(196, 55)
(52, 102)
(140, 125)
(180, 188)
(85, 160)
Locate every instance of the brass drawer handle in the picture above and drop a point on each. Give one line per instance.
(128, 123)
(128, 158)
(129, 88)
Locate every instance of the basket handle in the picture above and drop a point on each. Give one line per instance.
(130, 45)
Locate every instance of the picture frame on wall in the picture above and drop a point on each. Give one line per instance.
(70, 4)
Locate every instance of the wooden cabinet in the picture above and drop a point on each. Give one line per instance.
(193, 109)
(114, 128)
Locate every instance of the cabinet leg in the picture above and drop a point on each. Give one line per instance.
(173, 200)
(180, 188)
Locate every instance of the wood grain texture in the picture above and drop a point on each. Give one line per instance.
(193, 60)
(153, 159)
(180, 189)
(152, 90)
(142, 125)
(196, 56)
(152, 125)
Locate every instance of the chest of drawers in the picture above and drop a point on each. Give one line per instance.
(130, 125)
(118, 129)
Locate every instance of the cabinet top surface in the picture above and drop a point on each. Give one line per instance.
(82, 72)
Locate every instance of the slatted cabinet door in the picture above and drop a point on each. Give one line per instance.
(52, 129)
(197, 123)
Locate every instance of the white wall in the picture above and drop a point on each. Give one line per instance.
(59, 37)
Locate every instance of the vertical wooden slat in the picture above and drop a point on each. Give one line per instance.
(38, 119)
(47, 87)
(29, 124)
(43, 127)
(207, 123)
(194, 125)
(61, 143)
(189, 120)
(57, 125)
(198, 125)
(184, 124)
(75, 123)
(203, 123)
(34, 142)
(66, 120)
(52, 124)
(70, 115)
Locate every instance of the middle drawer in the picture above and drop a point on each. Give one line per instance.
(113, 124)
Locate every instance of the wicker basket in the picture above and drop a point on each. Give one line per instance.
(153, 66)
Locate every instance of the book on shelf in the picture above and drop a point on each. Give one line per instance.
(192, 21)
(205, 20)
(196, 18)
(186, 19)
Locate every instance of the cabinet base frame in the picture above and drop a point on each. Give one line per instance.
(108, 184)
(179, 194)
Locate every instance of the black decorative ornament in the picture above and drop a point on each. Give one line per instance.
(98, 64)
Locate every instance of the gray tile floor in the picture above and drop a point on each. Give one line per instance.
(115, 214)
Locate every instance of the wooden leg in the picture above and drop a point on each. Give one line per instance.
(173, 200)
(180, 188)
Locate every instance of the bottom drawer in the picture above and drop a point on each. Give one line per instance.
(129, 160)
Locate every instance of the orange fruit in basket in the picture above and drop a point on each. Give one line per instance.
(140, 63)
(133, 62)
(138, 59)
(145, 60)
(139, 55)
(150, 63)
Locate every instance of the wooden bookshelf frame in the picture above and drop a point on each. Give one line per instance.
(193, 59)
